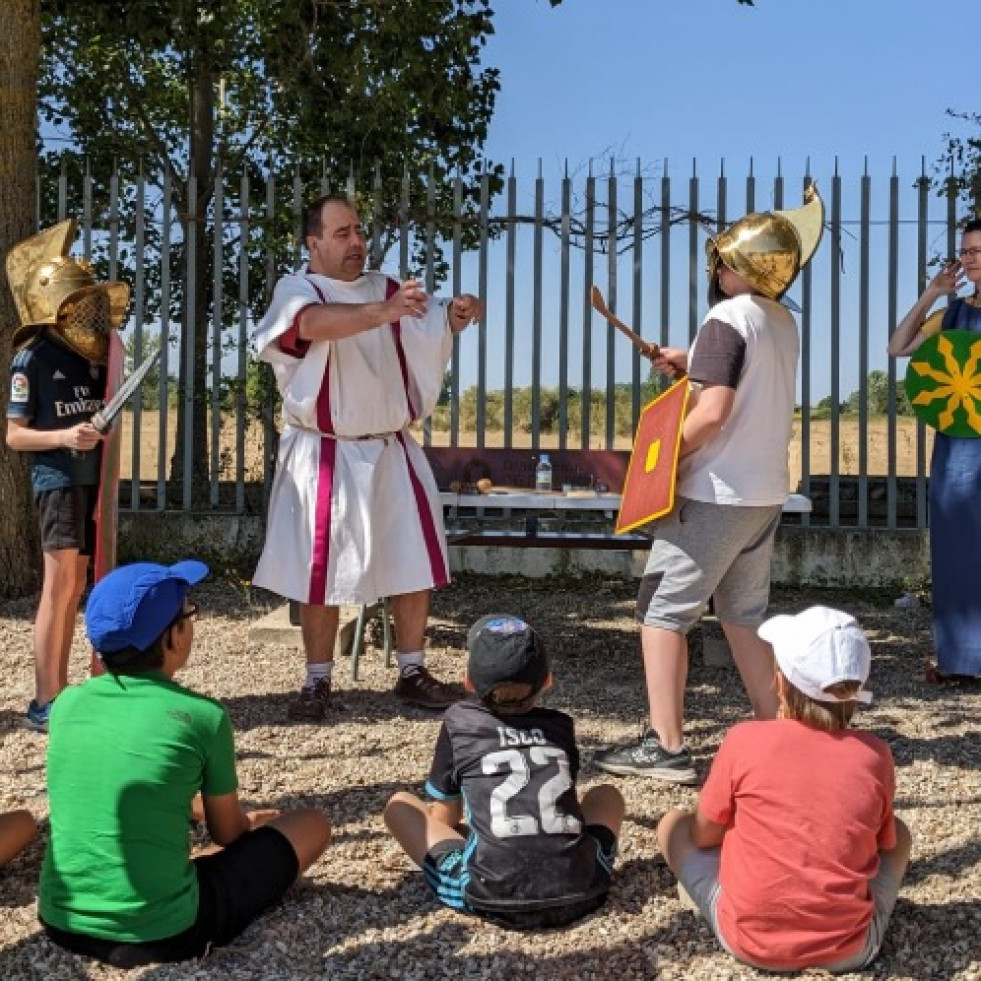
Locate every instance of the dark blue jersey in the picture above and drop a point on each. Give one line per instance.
(52, 387)
(528, 848)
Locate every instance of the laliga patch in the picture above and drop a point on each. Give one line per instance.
(506, 625)
(19, 387)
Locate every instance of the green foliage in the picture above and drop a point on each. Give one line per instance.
(876, 399)
(206, 94)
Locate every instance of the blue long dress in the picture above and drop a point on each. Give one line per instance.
(955, 535)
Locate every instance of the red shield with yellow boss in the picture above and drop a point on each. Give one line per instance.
(943, 382)
(648, 490)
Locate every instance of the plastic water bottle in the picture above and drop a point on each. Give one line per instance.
(543, 474)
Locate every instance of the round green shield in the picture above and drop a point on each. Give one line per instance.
(943, 382)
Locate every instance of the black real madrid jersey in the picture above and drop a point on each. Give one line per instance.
(527, 847)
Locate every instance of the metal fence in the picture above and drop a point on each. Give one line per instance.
(543, 369)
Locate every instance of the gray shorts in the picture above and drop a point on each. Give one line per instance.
(700, 879)
(705, 551)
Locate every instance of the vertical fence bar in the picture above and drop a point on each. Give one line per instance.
(216, 319)
(404, 219)
(62, 190)
(457, 289)
(720, 198)
(536, 322)
(834, 504)
(296, 233)
(139, 299)
(241, 403)
(751, 189)
(613, 300)
(922, 226)
(163, 394)
(805, 362)
(586, 400)
(637, 291)
(664, 337)
(269, 440)
(482, 262)
(693, 278)
(188, 333)
(87, 211)
(430, 266)
(892, 283)
(564, 276)
(863, 351)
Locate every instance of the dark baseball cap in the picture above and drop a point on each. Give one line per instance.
(505, 649)
(134, 604)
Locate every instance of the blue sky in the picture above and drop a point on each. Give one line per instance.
(859, 84)
(713, 79)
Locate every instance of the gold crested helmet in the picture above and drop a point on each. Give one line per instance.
(767, 249)
(51, 289)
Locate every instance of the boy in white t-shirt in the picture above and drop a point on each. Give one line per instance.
(732, 481)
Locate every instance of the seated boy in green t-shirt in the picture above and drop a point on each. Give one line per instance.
(128, 752)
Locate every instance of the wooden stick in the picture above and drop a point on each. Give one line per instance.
(646, 348)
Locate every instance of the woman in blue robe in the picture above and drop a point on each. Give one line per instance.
(955, 473)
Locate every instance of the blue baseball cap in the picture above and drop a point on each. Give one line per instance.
(134, 604)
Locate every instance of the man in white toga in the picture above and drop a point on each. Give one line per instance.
(354, 512)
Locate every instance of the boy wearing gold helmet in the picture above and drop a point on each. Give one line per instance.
(57, 382)
(733, 480)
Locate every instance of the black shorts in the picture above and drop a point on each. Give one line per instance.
(67, 516)
(235, 885)
(446, 875)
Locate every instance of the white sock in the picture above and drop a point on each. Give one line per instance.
(410, 659)
(318, 672)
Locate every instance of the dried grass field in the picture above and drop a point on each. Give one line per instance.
(363, 913)
(822, 438)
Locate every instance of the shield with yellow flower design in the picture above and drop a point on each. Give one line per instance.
(943, 382)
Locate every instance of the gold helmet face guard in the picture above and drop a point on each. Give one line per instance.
(51, 289)
(768, 250)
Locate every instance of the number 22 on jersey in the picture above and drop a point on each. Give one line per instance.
(516, 764)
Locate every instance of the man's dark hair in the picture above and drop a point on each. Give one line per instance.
(313, 225)
(131, 660)
(974, 225)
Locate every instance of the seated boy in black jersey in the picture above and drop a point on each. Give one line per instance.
(506, 836)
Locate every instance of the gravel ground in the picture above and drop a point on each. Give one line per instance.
(362, 912)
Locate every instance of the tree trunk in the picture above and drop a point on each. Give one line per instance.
(20, 45)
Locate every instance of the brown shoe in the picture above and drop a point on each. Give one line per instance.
(311, 703)
(418, 687)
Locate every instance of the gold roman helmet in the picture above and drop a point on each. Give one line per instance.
(53, 290)
(768, 250)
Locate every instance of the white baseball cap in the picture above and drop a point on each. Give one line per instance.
(820, 648)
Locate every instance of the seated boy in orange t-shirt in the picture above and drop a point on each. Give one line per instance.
(793, 854)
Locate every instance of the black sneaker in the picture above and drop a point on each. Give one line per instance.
(648, 758)
(311, 704)
(418, 687)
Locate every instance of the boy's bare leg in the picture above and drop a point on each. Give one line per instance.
(55, 623)
(604, 805)
(318, 628)
(674, 836)
(754, 659)
(415, 827)
(307, 830)
(666, 673)
(17, 830)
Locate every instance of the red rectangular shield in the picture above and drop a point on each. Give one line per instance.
(648, 490)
